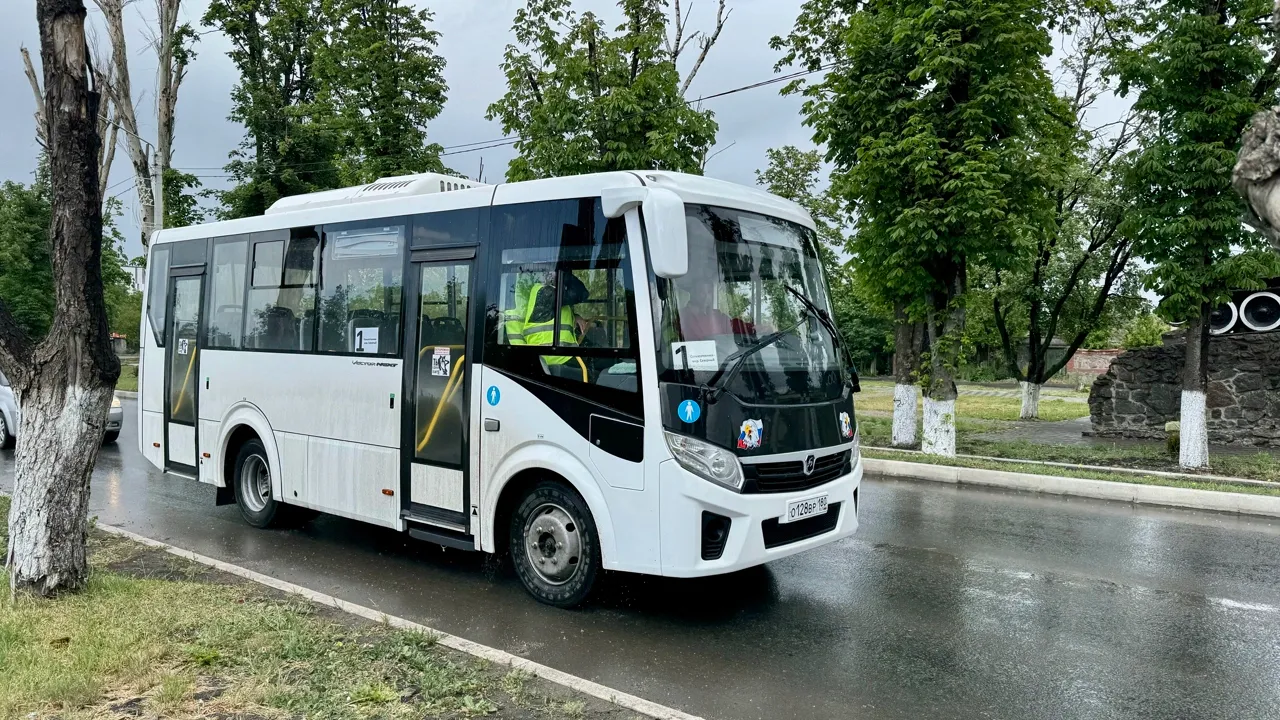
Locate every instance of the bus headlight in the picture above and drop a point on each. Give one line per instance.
(857, 445)
(706, 460)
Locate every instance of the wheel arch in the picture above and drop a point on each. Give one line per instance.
(241, 422)
(523, 469)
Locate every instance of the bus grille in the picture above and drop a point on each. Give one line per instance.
(782, 477)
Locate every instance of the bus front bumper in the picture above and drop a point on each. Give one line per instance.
(755, 536)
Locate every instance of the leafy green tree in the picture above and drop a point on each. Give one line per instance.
(1146, 330)
(182, 199)
(930, 112)
(292, 144)
(583, 99)
(377, 67)
(1199, 71)
(1079, 274)
(26, 266)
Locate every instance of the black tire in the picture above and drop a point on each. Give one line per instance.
(7, 438)
(559, 560)
(110, 437)
(257, 507)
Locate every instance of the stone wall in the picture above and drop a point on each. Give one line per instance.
(1142, 390)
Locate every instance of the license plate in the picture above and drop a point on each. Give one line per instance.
(806, 508)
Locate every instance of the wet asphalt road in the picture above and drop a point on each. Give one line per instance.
(948, 602)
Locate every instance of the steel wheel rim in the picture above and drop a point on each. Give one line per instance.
(255, 483)
(4, 428)
(553, 544)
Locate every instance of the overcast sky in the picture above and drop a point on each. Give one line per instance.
(474, 34)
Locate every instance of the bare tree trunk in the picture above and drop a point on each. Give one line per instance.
(122, 94)
(1193, 433)
(106, 121)
(65, 383)
(906, 356)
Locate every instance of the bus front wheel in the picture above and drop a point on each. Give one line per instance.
(554, 545)
(253, 485)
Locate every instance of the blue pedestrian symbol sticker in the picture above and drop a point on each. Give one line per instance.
(689, 411)
(493, 395)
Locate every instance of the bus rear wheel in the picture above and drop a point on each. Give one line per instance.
(253, 486)
(554, 545)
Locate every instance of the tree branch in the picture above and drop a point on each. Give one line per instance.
(705, 42)
(41, 121)
(1006, 343)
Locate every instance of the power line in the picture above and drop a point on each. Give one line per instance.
(479, 145)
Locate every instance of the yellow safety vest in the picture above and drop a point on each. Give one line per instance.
(543, 333)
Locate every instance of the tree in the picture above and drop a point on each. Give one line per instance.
(64, 382)
(172, 44)
(377, 68)
(291, 144)
(1199, 71)
(929, 111)
(1146, 330)
(107, 121)
(181, 203)
(582, 99)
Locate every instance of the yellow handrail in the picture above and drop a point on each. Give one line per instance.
(584, 369)
(182, 395)
(455, 380)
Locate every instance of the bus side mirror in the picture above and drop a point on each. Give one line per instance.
(854, 384)
(664, 224)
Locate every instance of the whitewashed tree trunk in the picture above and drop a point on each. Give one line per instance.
(939, 427)
(908, 338)
(905, 397)
(1193, 433)
(63, 384)
(1030, 401)
(58, 441)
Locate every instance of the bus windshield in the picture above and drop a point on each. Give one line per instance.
(745, 272)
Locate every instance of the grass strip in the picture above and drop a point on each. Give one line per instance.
(153, 635)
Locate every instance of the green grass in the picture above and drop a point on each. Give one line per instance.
(1072, 472)
(983, 407)
(183, 648)
(876, 431)
(128, 378)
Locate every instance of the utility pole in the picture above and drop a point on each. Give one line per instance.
(157, 193)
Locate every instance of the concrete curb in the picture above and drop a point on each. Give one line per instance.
(484, 652)
(126, 394)
(1262, 505)
(1223, 479)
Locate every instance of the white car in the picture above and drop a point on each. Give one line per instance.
(9, 416)
(8, 413)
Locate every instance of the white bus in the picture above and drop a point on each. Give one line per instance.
(623, 371)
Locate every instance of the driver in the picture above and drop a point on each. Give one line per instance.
(700, 320)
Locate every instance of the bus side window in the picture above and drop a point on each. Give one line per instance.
(282, 293)
(566, 306)
(226, 297)
(361, 287)
(158, 292)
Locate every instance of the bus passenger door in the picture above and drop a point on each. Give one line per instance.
(182, 372)
(436, 478)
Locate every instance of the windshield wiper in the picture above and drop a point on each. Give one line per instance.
(830, 325)
(732, 364)
(819, 313)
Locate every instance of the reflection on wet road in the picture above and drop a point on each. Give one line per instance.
(947, 603)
